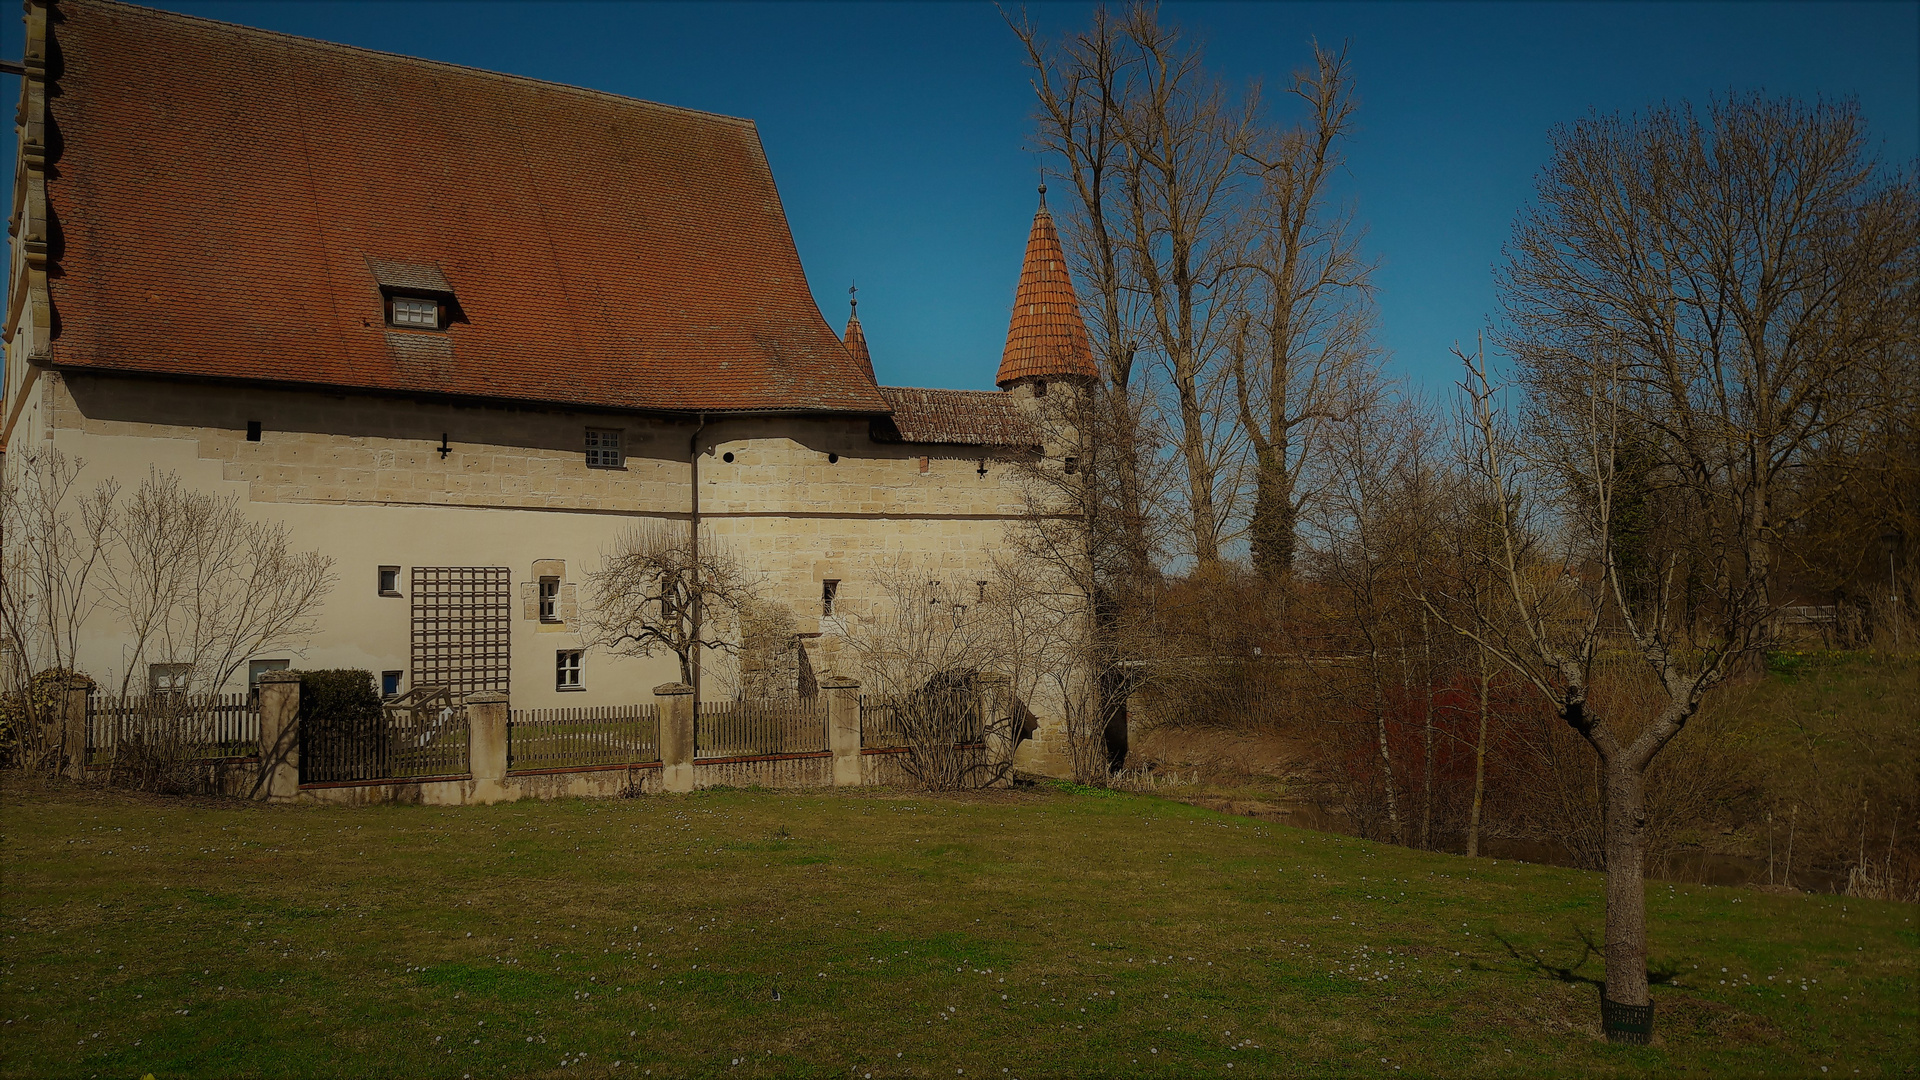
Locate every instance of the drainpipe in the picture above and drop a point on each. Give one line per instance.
(693, 546)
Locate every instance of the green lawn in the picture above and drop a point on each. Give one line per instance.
(750, 933)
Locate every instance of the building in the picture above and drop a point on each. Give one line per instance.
(458, 330)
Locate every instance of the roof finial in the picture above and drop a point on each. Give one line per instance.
(1043, 193)
(853, 297)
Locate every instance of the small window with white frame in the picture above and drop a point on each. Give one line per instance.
(413, 312)
(603, 448)
(550, 599)
(566, 670)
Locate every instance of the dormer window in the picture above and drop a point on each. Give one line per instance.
(413, 312)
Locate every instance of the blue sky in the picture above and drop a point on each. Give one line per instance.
(899, 132)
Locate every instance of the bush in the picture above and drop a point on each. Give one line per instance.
(29, 721)
(343, 697)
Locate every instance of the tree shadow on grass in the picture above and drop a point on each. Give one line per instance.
(1570, 971)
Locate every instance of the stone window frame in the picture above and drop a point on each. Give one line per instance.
(569, 670)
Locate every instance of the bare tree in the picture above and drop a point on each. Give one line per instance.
(655, 592)
(55, 543)
(202, 587)
(1563, 600)
(945, 662)
(1305, 330)
(1744, 278)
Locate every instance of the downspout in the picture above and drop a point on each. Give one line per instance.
(693, 547)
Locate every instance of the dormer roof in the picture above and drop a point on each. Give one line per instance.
(1046, 337)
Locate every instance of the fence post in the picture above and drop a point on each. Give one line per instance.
(843, 729)
(279, 779)
(487, 746)
(676, 735)
(73, 727)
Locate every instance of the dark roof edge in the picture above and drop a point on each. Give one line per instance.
(445, 396)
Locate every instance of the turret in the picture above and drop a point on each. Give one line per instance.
(856, 338)
(1046, 340)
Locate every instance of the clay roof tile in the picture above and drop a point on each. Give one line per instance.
(1046, 337)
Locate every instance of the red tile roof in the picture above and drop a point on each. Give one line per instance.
(230, 201)
(955, 418)
(1046, 337)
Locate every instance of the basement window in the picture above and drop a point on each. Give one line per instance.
(603, 449)
(413, 312)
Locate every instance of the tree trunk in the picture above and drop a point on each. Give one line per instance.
(1386, 765)
(1193, 453)
(1426, 728)
(1272, 527)
(1625, 847)
(1479, 764)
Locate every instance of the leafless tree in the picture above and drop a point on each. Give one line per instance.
(1563, 601)
(1745, 278)
(202, 587)
(55, 544)
(1154, 144)
(655, 593)
(946, 663)
(1303, 347)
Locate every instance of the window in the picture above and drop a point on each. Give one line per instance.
(829, 592)
(566, 670)
(983, 591)
(253, 431)
(389, 581)
(389, 684)
(603, 448)
(549, 599)
(414, 311)
(168, 678)
(1040, 388)
(257, 668)
(1072, 465)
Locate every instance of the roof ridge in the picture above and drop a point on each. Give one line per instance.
(323, 45)
(950, 390)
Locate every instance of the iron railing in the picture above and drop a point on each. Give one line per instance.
(759, 728)
(180, 726)
(568, 738)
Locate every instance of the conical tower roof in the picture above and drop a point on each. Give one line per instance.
(1046, 338)
(856, 338)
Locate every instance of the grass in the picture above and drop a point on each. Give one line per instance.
(746, 933)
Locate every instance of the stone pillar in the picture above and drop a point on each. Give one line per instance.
(279, 779)
(999, 713)
(843, 729)
(676, 735)
(487, 746)
(73, 727)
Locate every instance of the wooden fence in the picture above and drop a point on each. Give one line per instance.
(173, 726)
(570, 738)
(759, 728)
(398, 743)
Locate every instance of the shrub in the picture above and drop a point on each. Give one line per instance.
(343, 697)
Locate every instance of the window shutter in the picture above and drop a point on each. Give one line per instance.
(530, 600)
(569, 604)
